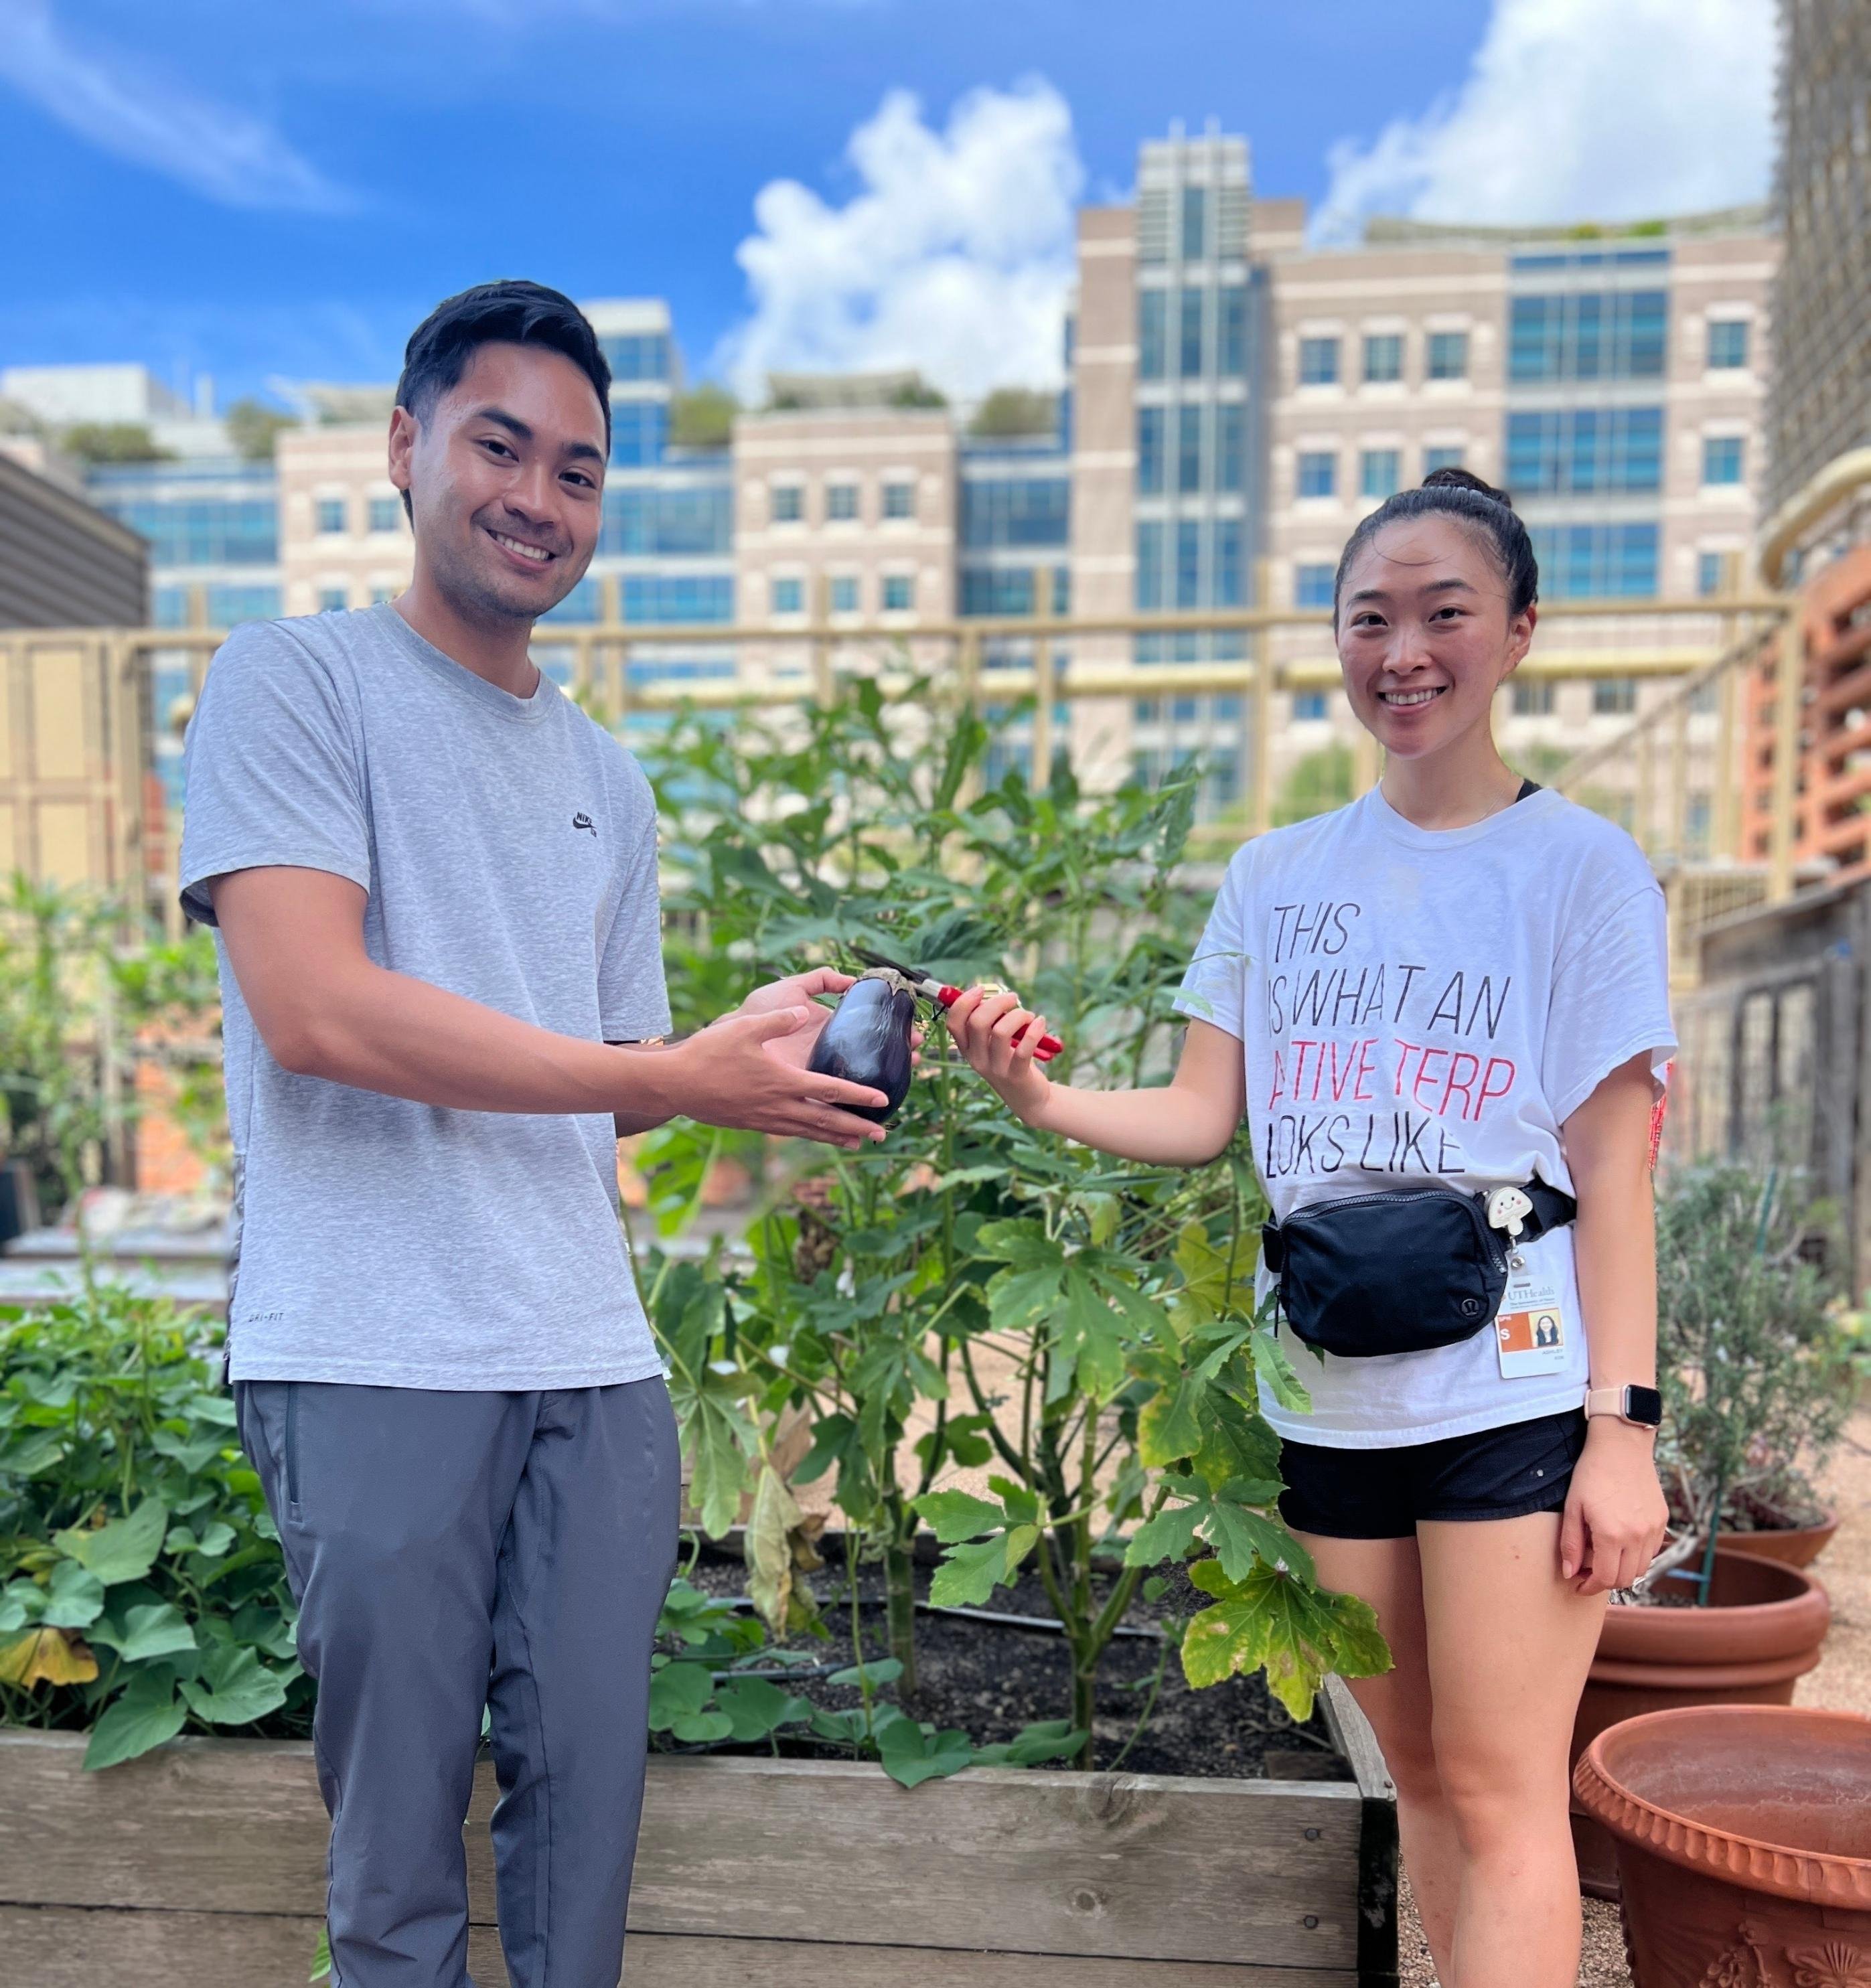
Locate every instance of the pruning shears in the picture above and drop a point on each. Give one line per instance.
(945, 996)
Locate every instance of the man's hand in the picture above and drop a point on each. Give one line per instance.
(799, 990)
(736, 1073)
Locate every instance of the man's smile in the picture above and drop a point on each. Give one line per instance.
(534, 555)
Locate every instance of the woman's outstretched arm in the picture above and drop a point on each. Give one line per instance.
(1185, 1123)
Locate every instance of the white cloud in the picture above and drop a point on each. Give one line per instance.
(126, 106)
(1580, 109)
(955, 256)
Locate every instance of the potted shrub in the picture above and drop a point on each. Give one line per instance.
(1754, 1375)
(1744, 1844)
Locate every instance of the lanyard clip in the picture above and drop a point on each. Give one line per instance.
(1508, 1208)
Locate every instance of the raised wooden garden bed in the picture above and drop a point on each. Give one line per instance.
(203, 1866)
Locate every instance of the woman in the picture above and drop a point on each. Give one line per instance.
(1456, 985)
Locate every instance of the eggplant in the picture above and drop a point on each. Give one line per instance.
(867, 1040)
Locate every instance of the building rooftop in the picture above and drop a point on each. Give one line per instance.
(1384, 231)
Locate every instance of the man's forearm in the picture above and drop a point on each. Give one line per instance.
(386, 1032)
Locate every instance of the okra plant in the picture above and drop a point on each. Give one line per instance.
(1085, 1328)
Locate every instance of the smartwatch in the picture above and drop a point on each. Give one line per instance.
(1642, 1407)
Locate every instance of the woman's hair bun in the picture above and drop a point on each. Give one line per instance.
(1452, 476)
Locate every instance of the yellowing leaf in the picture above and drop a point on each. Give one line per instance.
(785, 1602)
(1274, 1621)
(46, 1656)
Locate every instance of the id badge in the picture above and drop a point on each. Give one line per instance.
(1530, 1332)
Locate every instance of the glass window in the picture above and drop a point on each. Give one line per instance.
(1150, 565)
(789, 596)
(1712, 570)
(1312, 585)
(386, 513)
(1727, 342)
(1189, 335)
(681, 598)
(1308, 706)
(1232, 363)
(584, 604)
(1318, 473)
(1441, 458)
(996, 590)
(1614, 697)
(1189, 449)
(1570, 450)
(1586, 562)
(1588, 335)
(686, 520)
(1230, 586)
(899, 498)
(844, 593)
(227, 605)
(1022, 510)
(1380, 471)
(330, 515)
(381, 595)
(170, 607)
(198, 531)
(333, 600)
(1152, 324)
(841, 503)
(1195, 217)
(639, 430)
(1532, 699)
(1149, 453)
(1188, 563)
(1721, 459)
(1383, 356)
(899, 591)
(1230, 448)
(1318, 362)
(637, 356)
(789, 503)
(1448, 355)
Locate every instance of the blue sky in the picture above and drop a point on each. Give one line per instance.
(263, 190)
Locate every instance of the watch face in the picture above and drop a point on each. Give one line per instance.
(1644, 1405)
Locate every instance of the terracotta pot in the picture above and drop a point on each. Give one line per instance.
(1743, 1844)
(1792, 1545)
(1760, 1632)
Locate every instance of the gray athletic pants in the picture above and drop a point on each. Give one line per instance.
(450, 1551)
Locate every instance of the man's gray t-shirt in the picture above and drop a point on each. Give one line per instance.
(509, 848)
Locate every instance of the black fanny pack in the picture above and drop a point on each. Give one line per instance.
(1407, 1270)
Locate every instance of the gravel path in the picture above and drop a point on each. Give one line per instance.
(1842, 1682)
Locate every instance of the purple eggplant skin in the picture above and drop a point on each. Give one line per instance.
(866, 1041)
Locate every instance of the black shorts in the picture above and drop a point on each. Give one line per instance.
(1381, 1494)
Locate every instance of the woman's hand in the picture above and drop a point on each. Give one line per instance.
(1615, 1512)
(985, 1027)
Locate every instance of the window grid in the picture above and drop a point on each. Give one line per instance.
(1589, 562)
(1189, 358)
(1149, 578)
(386, 513)
(899, 592)
(1152, 332)
(1232, 362)
(1188, 563)
(1588, 335)
(330, 516)
(788, 504)
(841, 503)
(1318, 473)
(1318, 362)
(1721, 459)
(1380, 471)
(1383, 358)
(789, 596)
(1727, 342)
(1448, 355)
(1578, 450)
(899, 498)
(844, 593)
(1189, 449)
(1441, 458)
(1150, 423)
(1312, 584)
(1230, 446)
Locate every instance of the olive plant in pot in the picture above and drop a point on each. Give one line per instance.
(1754, 1369)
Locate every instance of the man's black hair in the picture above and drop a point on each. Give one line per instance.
(1454, 492)
(510, 312)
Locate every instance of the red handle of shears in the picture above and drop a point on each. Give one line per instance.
(1050, 1046)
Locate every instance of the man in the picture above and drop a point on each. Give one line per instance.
(434, 881)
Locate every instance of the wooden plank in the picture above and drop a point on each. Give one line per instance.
(1122, 1867)
(70, 1947)
(1378, 1845)
(1125, 1866)
(665, 1960)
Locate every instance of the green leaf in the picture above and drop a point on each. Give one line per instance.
(1244, 1539)
(910, 1757)
(1170, 1536)
(125, 1549)
(1299, 1635)
(155, 1630)
(215, 1539)
(877, 1671)
(754, 1707)
(238, 1688)
(1237, 1440)
(1273, 1366)
(74, 1598)
(954, 1515)
(1088, 1339)
(321, 1957)
(702, 1729)
(1023, 1504)
(967, 1574)
(147, 1714)
(1045, 1740)
(678, 1691)
(1168, 1428)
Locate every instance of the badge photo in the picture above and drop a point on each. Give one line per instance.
(1530, 1333)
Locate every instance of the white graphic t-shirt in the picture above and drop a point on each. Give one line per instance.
(1420, 1005)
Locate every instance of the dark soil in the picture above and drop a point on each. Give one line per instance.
(989, 1680)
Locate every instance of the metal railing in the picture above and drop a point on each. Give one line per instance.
(1018, 670)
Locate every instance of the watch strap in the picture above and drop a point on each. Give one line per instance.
(1609, 1402)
